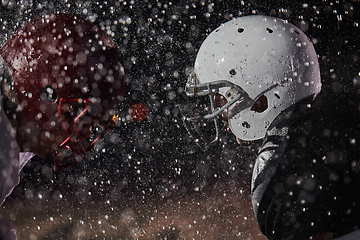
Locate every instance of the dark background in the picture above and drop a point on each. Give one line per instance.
(155, 159)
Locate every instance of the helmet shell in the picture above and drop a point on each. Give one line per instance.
(62, 56)
(265, 56)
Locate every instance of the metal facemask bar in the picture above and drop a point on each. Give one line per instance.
(192, 121)
(75, 147)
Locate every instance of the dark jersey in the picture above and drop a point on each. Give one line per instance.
(306, 179)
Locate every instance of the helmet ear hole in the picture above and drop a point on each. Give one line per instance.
(260, 105)
(48, 94)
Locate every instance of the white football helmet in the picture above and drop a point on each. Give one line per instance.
(261, 65)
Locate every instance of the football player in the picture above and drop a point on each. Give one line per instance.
(62, 80)
(262, 77)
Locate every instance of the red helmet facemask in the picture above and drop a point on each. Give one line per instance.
(78, 143)
(67, 75)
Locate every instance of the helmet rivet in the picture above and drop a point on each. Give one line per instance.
(232, 72)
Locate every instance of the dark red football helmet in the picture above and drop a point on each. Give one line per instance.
(67, 74)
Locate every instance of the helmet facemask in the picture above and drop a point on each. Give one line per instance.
(84, 126)
(205, 124)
